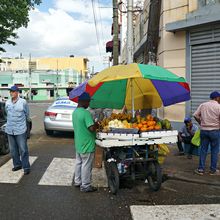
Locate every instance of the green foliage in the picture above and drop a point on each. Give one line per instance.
(13, 15)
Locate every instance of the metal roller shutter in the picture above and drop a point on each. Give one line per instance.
(205, 65)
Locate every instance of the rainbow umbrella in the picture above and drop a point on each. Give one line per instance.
(137, 86)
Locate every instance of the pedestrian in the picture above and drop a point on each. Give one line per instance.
(84, 141)
(16, 128)
(208, 116)
(185, 136)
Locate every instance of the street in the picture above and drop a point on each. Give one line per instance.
(47, 192)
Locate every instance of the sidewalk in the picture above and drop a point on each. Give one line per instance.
(181, 168)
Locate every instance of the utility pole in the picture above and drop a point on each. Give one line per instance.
(57, 94)
(130, 31)
(115, 32)
(29, 65)
(130, 46)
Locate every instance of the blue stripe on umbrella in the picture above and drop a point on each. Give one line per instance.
(78, 90)
(171, 92)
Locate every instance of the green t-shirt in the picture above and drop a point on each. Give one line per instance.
(84, 139)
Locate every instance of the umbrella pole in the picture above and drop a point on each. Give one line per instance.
(132, 97)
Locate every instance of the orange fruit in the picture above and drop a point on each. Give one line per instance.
(140, 125)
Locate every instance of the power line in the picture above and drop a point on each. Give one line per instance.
(96, 29)
(100, 17)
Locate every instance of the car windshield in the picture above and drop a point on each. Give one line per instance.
(65, 102)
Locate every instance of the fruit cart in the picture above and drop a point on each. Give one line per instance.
(133, 155)
(134, 86)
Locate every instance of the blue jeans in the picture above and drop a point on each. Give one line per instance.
(212, 138)
(19, 150)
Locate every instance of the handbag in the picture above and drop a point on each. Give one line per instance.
(196, 139)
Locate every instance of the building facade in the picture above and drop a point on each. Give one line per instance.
(40, 85)
(42, 78)
(186, 41)
(79, 64)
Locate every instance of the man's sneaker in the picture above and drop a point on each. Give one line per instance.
(214, 173)
(199, 172)
(89, 189)
(16, 168)
(26, 172)
(189, 156)
(181, 154)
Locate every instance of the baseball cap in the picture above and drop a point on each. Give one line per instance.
(84, 97)
(14, 89)
(187, 120)
(214, 94)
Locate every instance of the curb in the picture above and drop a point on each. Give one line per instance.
(4, 159)
(191, 180)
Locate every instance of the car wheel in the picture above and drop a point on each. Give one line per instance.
(49, 132)
(5, 146)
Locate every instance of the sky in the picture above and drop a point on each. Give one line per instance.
(60, 28)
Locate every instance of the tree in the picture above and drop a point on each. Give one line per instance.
(13, 15)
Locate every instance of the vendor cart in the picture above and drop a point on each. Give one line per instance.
(134, 156)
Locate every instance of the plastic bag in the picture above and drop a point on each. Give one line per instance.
(196, 139)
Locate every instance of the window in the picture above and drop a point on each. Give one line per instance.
(210, 2)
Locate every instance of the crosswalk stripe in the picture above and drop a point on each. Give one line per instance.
(173, 212)
(8, 176)
(59, 173)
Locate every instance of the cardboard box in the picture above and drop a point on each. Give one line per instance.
(98, 157)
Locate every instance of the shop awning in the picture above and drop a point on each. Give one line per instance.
(109, 46)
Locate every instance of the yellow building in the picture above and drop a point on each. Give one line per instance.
(77, 63)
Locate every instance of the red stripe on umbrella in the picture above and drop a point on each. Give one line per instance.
(91, 90)
(185, 85)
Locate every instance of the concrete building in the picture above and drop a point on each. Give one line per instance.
(186, 41)
(42, 85)
(60, 63)
(43, 78)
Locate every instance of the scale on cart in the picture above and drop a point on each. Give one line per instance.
(134, 156)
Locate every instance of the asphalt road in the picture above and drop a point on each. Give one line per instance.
(27, 199)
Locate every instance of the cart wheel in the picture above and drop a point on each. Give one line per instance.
(155, 176)
(113, 177)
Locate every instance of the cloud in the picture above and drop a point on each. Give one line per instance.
(65, 29)
(84, 10)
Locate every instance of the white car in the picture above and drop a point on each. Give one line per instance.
(58, 116)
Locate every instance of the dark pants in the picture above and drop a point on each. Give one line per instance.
(185, 140)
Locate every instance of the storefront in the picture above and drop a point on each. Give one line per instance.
(202, 52)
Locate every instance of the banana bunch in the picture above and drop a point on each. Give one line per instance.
(120, 116)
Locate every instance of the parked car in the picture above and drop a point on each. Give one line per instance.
(4, 147)
(58, 117)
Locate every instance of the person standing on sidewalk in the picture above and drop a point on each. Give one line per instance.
(208, 116)
(185, 136)
(84, 141)
(17, 112)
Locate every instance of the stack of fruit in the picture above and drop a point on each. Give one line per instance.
(147, 123)
(143, 124)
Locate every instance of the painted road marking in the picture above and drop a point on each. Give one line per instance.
(59, 173)
(8, 176)
(173, 212)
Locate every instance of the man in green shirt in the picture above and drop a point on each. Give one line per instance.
(84, 140)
